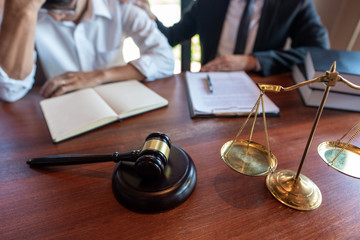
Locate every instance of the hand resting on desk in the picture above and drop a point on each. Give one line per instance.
(72, 81)
(230, 63)
(69, 81)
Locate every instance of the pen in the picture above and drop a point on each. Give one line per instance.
(210, 86)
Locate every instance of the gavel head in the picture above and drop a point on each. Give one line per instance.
(153, 155)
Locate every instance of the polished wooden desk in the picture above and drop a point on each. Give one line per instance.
(76, 202)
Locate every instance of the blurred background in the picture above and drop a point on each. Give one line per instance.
(340, 17)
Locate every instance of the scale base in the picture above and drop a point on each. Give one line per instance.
(153, 195)
(302, 194)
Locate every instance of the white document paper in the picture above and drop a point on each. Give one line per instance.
(234, 93)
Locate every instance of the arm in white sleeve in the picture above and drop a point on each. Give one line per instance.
(156, 55)
(12, 90)
(17, 56)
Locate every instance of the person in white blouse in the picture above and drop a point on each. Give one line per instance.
(79, 44)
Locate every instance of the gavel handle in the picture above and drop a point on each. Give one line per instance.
(82, 159)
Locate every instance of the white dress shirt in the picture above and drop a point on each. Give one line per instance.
(231, 26)
(95, 43)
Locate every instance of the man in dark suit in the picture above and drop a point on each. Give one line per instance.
(278, 21)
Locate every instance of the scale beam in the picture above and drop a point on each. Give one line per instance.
(290, 188)
(330, 78)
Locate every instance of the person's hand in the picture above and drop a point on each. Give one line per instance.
(70, 81)
(144, 4)
(230, 63)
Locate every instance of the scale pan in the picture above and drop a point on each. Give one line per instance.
(249, 158)
(348, 162)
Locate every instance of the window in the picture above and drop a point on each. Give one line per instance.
(168, 12)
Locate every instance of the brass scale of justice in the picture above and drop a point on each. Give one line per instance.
(291, 188)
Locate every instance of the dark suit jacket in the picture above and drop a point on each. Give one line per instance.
(280, 19)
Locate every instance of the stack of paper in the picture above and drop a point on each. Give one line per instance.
(233, 94)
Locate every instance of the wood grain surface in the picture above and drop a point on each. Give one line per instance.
(76, 202)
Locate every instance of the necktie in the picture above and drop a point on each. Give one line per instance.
(244, 28)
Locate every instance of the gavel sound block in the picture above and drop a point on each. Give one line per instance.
(151, 195)
(153, 179)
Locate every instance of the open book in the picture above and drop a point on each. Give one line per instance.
(231, 94)
(78, 112)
